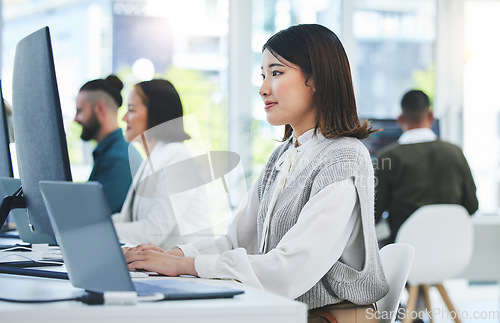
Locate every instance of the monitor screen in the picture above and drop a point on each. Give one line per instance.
(389, 134)
(5, 159)
(41, 146)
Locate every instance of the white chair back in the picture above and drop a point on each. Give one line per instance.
(396, 261)
(442, 238)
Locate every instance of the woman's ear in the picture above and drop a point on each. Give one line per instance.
(310, 83)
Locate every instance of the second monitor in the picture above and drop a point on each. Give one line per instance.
(5, 159)
(41, 146)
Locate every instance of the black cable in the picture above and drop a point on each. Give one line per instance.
(88, 298)
(33, 301)
(92, 298)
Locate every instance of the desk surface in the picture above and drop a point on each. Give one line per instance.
(253, 306)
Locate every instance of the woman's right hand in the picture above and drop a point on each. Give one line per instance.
(143, 247)
(149, 246)
(176, 252)
(162, 262)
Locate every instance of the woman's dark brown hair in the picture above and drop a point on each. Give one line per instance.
(322, 58)
(164, 105)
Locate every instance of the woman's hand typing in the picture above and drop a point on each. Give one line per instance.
(152, 258)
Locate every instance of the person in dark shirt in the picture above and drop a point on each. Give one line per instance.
(420, 169)
(97, 106)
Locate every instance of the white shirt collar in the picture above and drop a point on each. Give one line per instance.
(307, 140)
(418, 135)
(308, 137)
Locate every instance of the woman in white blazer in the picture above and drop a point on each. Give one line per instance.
(157, 210)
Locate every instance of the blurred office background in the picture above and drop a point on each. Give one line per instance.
(211, 49)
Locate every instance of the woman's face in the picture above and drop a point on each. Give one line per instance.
(136, 116)
(287, 98)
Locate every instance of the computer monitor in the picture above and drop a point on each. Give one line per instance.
(389, 134)
(5, 158)
(42, 151)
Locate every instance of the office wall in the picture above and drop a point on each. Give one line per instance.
(392, 45)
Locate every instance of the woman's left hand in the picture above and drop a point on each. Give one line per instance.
(160, 262)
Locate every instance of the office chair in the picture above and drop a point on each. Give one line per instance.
(442, 238)
(396, 261)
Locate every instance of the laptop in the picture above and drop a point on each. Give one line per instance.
(81, 219)
(8, 186)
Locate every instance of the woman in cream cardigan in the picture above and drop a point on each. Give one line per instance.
(307, 230)
(155, 211)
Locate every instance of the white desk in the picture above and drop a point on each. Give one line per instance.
(252, 306)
